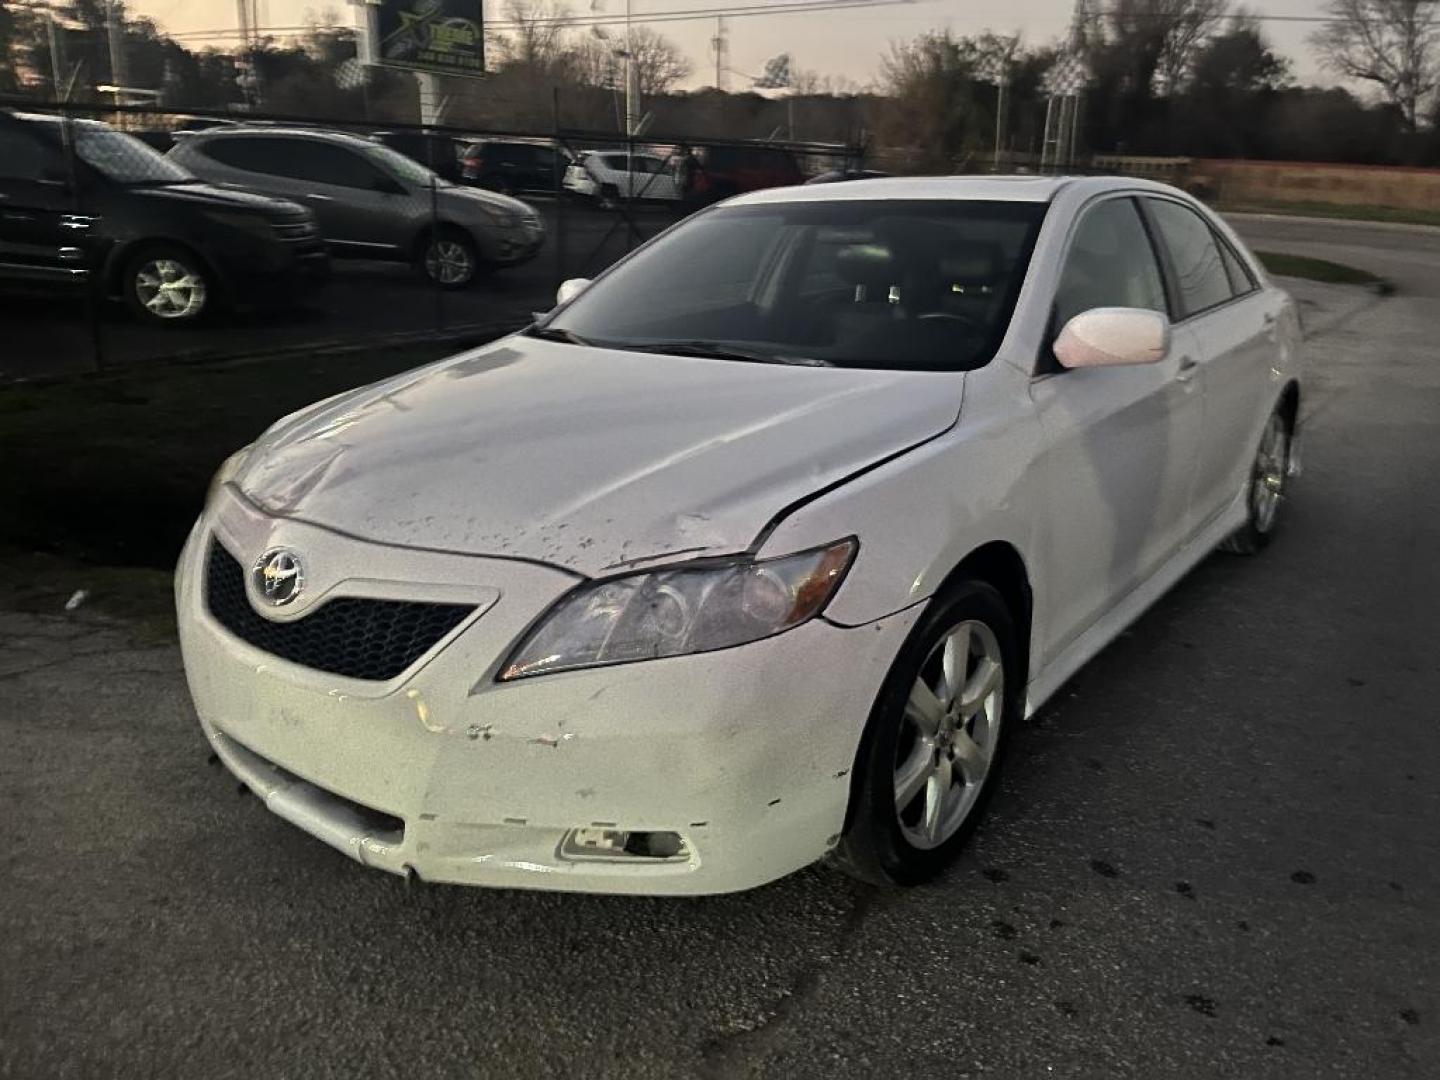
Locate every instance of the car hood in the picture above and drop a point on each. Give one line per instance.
(215, 197)
(589, 459)
(479, 198)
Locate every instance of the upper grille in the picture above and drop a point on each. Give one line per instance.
(350, 636)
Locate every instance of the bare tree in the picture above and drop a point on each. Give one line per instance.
(536, 35)
(658, 62)
(1393, 43)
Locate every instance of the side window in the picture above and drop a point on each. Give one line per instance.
(22, 157)
(1242, 280)
(1199, 271)
(251, 154)
(1111, 263)
(335, 165)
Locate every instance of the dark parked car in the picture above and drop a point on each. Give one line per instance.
(510, 167)
(171, 246)
(433, 149)
(733, 170)
(373, 202)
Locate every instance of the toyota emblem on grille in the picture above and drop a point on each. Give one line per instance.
(278, 576)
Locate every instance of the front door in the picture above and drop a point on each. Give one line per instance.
(1120, 442)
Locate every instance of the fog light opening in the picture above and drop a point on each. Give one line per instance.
(623, 845)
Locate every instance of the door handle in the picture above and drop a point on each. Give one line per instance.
(318, 197)
(1188, 368)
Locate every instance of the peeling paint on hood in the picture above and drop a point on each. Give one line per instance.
(587, 458)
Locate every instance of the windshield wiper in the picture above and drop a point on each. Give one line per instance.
(716, 351)
(555, 333)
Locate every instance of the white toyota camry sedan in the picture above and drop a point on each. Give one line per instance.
(752, 551)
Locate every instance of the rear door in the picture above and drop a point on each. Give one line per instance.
(1120, 442)
(1232, 322)
(41, 239)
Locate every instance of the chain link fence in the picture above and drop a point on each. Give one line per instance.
(129, 235)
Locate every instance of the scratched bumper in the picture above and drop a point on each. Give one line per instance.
(745, 753)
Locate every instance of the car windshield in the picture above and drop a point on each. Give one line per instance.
(876, 283)
(125, 159)
(406, 168)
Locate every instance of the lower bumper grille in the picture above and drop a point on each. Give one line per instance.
(351, 636)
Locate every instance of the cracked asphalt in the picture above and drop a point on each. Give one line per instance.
(1215, 853)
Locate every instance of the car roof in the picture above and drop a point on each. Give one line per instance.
(342, 138)
(1036, 189)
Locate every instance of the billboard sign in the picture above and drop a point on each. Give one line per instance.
(441, 36)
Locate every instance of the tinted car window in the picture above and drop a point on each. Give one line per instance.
(21, 157)
(297, 159)
(1111, 263)
(1199, 272)
(1241, 280)
(922, 285)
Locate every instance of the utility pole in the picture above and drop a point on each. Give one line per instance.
(721, 44)
(632, 78)
(54, 39)
(115, 29)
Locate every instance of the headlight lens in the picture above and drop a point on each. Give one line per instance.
(229, 469)
(674, 612)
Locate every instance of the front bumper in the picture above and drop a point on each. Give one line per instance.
(510, 247)
(744, 753)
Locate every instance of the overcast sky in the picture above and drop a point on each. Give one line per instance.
(838, 43)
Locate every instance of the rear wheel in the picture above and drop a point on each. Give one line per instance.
(1266, 491)
(933, 746)
(166, 283)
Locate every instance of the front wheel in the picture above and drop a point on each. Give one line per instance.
(165, 283)
(450, 260)
(933, 745)
(1266, 491)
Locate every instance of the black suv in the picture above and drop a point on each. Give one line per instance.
(509, 167)
(172, 247)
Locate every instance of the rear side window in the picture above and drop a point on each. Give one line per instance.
(1200, 274)
(1111, 263)
(1241, 280)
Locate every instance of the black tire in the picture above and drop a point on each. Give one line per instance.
(1255, 535)
(169, 285)
(608, 197)
(874, 848)
(435, 261)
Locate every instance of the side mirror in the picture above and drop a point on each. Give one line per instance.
(1106, 337)
(570, 289)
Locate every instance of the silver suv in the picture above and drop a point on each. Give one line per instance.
(372, 202)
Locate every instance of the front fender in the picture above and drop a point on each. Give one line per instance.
(920, 514)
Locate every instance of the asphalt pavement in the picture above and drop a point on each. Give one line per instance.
(1215, 853)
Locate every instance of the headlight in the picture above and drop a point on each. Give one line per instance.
(674, 612)
(229, 469)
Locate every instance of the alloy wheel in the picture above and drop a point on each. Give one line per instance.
(449, 262)
(1267, 484)
(949, 734)
(168, 289)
